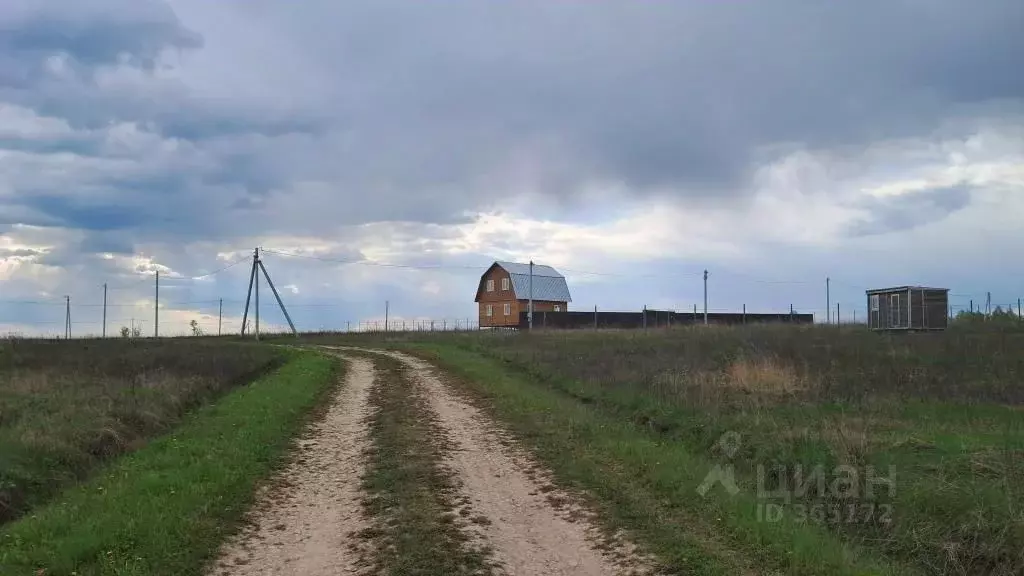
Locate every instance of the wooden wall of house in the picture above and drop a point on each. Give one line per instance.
(497, 274)
(516, 308)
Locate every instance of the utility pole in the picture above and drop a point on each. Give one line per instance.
(276, 297)
(67, 318)
(220, 314)
(387, 310)
(256, 290)
(248, 294)
(837, 314)
(705, 297)
(104, 310)
(828, 298)
(529, 313)
(156, 308)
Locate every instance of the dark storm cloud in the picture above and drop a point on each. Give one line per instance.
(92, 32)
(678, 94)
(432, 109)
(910, 210)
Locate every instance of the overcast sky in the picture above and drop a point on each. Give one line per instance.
(629, 144)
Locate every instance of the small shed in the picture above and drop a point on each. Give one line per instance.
(908, 308)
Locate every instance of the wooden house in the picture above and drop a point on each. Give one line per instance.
(908, 308)
(505, 290)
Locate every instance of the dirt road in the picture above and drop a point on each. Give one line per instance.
(304, 522)
(532, 527)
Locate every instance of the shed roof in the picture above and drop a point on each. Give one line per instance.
(548, 284)
(904, 288)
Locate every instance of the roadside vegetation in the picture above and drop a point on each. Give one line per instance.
(923, 432)
(165, 508)
(66, 407)
(420, 521)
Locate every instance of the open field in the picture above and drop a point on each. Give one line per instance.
(923, 433)
(67, 407)
(718, 451)
(165, 508)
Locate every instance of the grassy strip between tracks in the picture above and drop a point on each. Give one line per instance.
(165, 508)
(420, 520)
(647, 487)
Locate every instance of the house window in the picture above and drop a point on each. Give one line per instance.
(490, 310)
(504, 283)
(558, 307)
(508, 309)
(895, 319)
(490, 285)
(874, 302)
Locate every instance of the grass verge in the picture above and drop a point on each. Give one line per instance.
(648, 487)
(419, 521)
(165, 508)
(819, 413)
(67, 407)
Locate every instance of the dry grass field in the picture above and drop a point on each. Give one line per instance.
(68, 406)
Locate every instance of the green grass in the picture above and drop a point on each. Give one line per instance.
(647, 486)
(412, 497)
(165, 508)
(939, 414)
(66, 407)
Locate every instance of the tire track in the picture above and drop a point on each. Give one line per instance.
(307, 521)
(532, 527)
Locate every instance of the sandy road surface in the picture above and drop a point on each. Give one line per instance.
(528, 534)
(303, 523)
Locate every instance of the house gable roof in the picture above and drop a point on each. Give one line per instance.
(548, 284)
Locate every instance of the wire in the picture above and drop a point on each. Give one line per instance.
(149, 275)
(459, 267)
(219, 270)
(370, 263)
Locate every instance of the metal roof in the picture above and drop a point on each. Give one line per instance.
(548, 284)
(538, 269)
(904, 288)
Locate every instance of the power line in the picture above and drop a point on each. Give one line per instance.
(371, 263)
(149, 275)
(459, 267)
